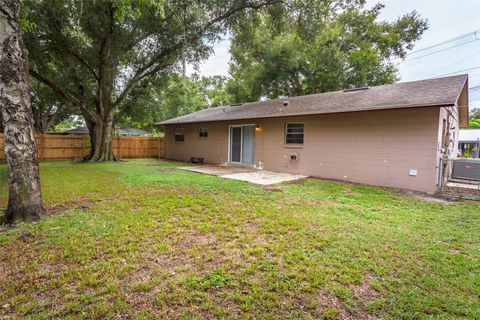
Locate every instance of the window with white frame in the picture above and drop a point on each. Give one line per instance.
(294, 133)
(202, 133)
(179, 134)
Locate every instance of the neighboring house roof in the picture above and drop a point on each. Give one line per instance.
(77, 130)
(432, 92)
(122, 132)
(469, 135)
(132, 132)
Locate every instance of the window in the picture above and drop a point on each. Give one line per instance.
(294, 133)
(202, 133)
(179, 134)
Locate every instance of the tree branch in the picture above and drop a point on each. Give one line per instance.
(58, 89)
(104, 87)
(83, 62)
(63, 48)
(80, 101)
(153, 66)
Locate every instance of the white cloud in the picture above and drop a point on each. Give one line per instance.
(217, 64)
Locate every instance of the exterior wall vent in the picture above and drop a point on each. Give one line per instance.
(236, 104)
(285, 103)
(356, 89)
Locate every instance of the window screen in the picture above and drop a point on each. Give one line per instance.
(202, 132)
(294, 133)
(179, 134)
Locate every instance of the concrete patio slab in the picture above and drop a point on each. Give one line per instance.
(261, 177)
(264, 177)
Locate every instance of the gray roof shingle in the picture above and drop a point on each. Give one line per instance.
(431, 92)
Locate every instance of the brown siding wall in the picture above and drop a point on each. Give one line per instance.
(376, 148)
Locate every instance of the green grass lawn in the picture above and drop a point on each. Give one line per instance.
(141, 239)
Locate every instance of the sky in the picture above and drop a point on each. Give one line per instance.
(447, 19)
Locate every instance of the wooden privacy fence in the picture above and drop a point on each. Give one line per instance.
(69, 147)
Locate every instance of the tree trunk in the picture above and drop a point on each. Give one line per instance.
(101, 139)
(24, 199)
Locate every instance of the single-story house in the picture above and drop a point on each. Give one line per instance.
(391, 135)
(469, 143)
(120, 132)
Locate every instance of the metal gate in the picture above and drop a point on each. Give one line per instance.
(466, 169)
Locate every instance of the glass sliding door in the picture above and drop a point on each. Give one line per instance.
(242, 144)
(248, 144)
(236, 144)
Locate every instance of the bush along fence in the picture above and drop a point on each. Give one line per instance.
(69, 147)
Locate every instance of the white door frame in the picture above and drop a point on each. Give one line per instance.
(230, 143)
(241, 144)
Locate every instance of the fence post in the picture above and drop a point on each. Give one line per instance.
(41, 147)
(84, 153)
(119, 150)
(159, 147)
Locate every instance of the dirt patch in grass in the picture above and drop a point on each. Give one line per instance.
(455, 251)
(365, 291)
(271, 189)
(81, 204)
(248, 227)
(195, 239)
(332, 307)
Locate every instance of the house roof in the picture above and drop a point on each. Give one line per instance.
(133, 132)
(432, 92)
(122, 132)
(77, 130)
(469, 135)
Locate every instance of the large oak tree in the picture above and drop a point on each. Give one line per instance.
(93, 53)
(307, 47)
(24, 197)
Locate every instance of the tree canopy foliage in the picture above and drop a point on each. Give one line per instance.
(169, 96)
(118, 62)
(307, 47)
(161, 98)
(49, 109)
(475, 118)
(215, 90)
(94, 53)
